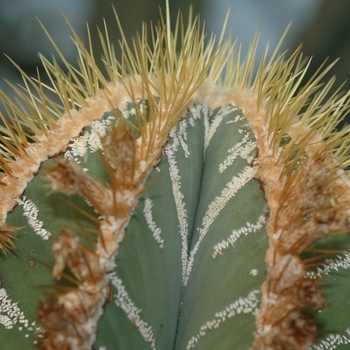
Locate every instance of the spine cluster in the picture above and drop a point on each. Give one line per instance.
(307, 202)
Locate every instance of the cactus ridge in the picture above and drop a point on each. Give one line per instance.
(153, 173)
(186, 138)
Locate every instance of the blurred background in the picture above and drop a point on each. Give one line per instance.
(322, 25)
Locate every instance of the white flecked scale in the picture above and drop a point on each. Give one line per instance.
(219, 115)
(89, 141)
(220, 247)
(10, 313)
(182, 136)
(253, 272)
(31, 212)
(341, 261)
(246, 305)
(123, 300)
(331, 341)
(179, 199)
(228, 192)
(241, 149)
(98, 130)
(127, 113)
(156, 231)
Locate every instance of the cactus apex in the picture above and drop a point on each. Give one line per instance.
(301, 166)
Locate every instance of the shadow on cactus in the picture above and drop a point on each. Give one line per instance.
(164, 207)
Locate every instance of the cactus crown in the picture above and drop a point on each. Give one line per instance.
(165, 145)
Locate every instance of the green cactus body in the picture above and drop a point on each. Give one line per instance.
(166, 210)
(184, 231)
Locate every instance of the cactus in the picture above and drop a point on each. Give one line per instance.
(168, 208)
